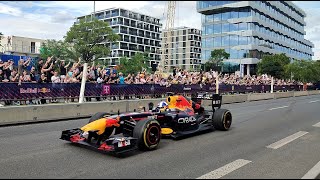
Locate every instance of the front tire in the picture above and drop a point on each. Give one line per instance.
(148, 133)
(222, 119)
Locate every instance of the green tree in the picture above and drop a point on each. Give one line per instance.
(274, 65)
(58, 49)
(304, 70)
(134, 65)
(87, 39)
(216, 59)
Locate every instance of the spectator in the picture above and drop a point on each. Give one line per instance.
(39, 66)
(1, 64)
(121, 78)
(7, 68)
(22, 65)
(99, 79)
(55, 78)
(33, 74)
(174, 71)
(42, 79)
(25, 77)
(2, 77)
(63, 70)
(67, 79)
(46, 70)
(14, 76)
(113, 78)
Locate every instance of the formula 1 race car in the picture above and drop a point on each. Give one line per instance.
(176, 117)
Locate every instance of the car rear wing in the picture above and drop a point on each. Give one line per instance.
(216, 99)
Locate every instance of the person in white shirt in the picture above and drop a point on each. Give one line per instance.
(55, 78)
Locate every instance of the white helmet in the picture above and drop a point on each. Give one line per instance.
(162, 104)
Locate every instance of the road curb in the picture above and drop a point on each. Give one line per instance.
(313, 173)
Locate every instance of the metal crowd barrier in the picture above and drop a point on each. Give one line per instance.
(48, 92)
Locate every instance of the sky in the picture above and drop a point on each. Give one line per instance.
(52, 19)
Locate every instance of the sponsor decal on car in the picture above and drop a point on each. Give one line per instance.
(187, 119)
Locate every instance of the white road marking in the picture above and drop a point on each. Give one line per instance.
(278, 107)
(286, 140)
(224, 170)
(313, 172)
(314, 101)
(317, 125)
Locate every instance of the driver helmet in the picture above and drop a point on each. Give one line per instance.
(162, 105)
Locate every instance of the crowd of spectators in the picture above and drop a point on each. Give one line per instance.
(57, 71)
(54, 70)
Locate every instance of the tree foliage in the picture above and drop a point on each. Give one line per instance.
(134, 65)
(59, 49)
(87, 39)
(216, 59)
(274, 65)
(304, 70)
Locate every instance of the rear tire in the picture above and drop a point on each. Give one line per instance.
(148, 133)
(222, 119)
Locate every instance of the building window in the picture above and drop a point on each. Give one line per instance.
(33, 47)
(243, 40)
(225, 27)
(225, 16)
(234, 27)
(209, 29)
(209, 18)
(209, 42)
(234, 40)
(217, 17)
(233, 54)
(242, 26)
(217, 41)
(244, 12)
(225, 41)
(217, 28)
(234, 14)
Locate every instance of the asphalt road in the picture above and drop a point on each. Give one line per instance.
(268, 139)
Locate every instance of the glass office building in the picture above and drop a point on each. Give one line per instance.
(247, 30)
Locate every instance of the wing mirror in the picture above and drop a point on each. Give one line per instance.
(150, 105)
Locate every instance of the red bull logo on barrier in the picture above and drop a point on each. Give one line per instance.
(34, 90)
